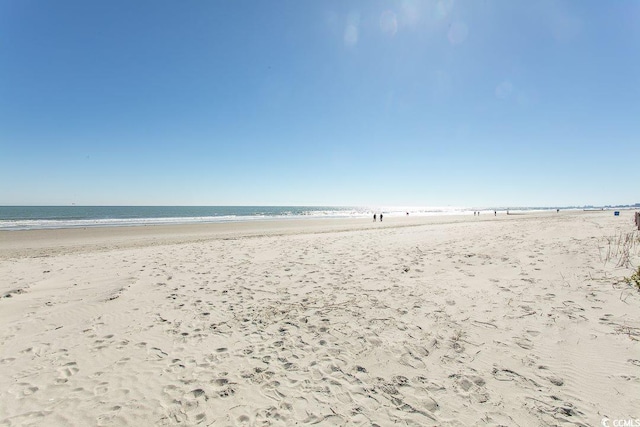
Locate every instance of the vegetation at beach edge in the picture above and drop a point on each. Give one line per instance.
(634, 279)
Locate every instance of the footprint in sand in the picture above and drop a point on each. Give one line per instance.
(183, 406)
(475, 386)
(21, 390)
(108, 417)
(157, 353)
(67, 371)
(101, 389)
(523, 342)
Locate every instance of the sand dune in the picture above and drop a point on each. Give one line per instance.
(517, 321)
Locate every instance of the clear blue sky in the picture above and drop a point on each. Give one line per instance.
(464, 103)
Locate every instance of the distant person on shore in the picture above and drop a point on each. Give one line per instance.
(495, 213)
(374, 218)
(380, 217)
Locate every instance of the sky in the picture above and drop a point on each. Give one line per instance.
(237, 102)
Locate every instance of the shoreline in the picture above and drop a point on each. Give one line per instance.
(16, 243)
(11, 222)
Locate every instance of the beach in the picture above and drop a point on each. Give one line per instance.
(515, 320)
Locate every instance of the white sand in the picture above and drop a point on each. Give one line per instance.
(514, 320)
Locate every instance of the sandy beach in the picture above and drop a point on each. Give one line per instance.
(518, 320)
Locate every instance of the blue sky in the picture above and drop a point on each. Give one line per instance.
(462, 103)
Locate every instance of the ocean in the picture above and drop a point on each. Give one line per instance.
(50, 217)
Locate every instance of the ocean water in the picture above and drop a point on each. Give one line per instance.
(48, 217)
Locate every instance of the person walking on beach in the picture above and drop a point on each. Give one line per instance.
(374, 218)
(381, 217)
